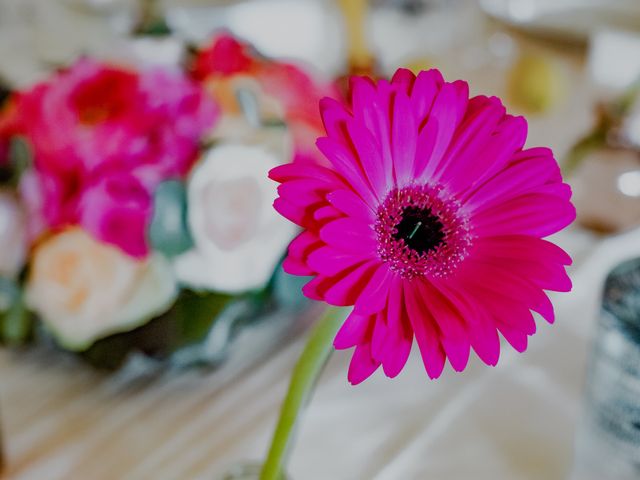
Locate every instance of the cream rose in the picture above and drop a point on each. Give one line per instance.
(238, 236)
(85, 290)
(12, 235)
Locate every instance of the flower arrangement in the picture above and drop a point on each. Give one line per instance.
(429, 224)
(135, 204)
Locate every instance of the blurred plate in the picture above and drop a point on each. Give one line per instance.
(572, 20)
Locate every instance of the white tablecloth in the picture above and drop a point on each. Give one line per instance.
(62, 421)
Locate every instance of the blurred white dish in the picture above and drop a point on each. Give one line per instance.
(569, 19)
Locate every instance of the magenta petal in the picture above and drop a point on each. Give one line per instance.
(466, 150)
(516, 338)
(302, 192)
(303, 244)
(294, 266)
(349, 288)
(424, 147)
(426, 333)
(404, 132)
(371, 107)
(400, 334)
(298, 171)
(425, 90)
(538, 215)
(404, 79)
(352, 205)
(345, 163)
(379, 337)
(449, 321)
(457, 350)
(354, 331)
(312, 288)
(370, 156)
(485, 342)
(291, 212)
(447, 110)
(329, 261)
(362, 365)
(334, 118)
(326, 214)
(522, 247)
(374, 297)
(349, 235)
(521, 177)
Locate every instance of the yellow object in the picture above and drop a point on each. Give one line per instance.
(418, 64)
(355, 15)
(535, 84)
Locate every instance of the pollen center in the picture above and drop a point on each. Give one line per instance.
(420, 229)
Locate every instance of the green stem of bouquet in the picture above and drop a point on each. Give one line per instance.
(305, 375)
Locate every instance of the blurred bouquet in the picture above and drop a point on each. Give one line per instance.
(135, 207)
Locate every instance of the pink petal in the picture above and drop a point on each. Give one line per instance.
(448, 110)
(356, 329)
(303, 192)
(379, 337)
(524, 176)
(362, 365)
(345, 163)
(475, 166)
(522, 247)
(529, 214)
(294, 266)
(374, 297)
(297, 171)
(516, 338)
(352, 205)
(326, 214)
(404, 79)
(334, 116)
(425, 90)
(449, 321)
(426, 333)
(328, 261)
(291, 212)
(457, 350)
(404, 137)
(370, 157)
(347, 290)
(349, 235)
(400, 334)
(371, 109)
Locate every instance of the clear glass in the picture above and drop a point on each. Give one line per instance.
(245, 471)
(608, 440)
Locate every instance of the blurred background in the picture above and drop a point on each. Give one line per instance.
(190, 384)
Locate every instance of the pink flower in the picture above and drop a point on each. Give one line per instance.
(296, 90)
(429, 221)
(225, 56)
(95, 123)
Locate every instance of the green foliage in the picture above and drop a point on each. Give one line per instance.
(15, 320)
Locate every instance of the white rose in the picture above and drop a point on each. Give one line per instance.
(84, 290)
(238, 236)
(13, 241)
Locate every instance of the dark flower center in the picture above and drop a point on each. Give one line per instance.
(420, 229)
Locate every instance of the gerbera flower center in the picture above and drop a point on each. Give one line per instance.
(420, 229)
(422, 232)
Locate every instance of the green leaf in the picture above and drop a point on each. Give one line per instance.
(168, 231)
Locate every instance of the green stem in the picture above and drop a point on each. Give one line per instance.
(304, 377)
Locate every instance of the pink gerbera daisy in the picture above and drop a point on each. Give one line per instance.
(429, 221)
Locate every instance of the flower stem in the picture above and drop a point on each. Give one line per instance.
(304, 378)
